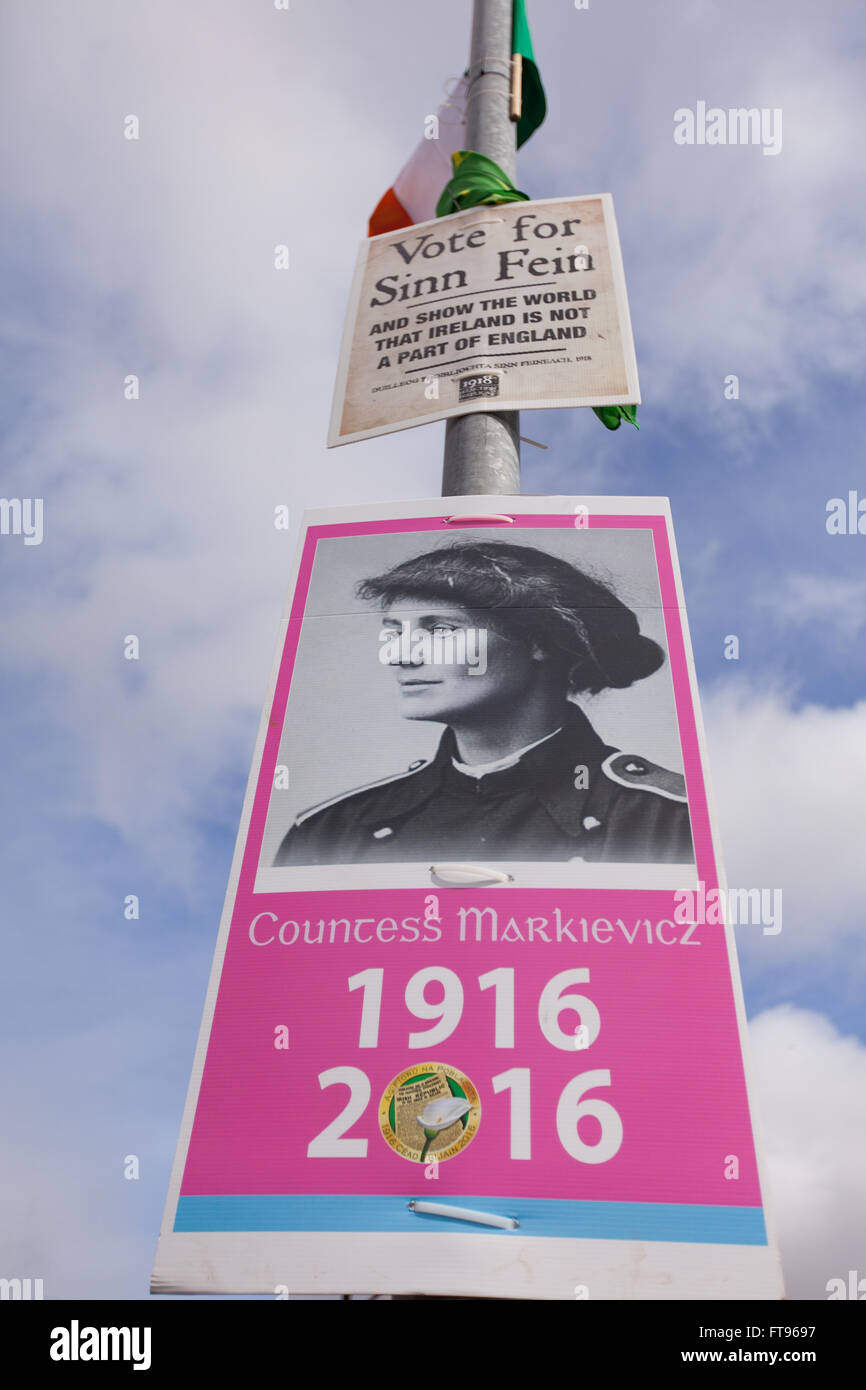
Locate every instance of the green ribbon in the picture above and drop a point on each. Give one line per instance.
(612, 416)
(478, 181)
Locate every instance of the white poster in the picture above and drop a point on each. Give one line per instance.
(470, 1029)
(516, 307)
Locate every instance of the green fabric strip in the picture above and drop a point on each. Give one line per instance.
(612, 416)
(477, 180)
(534, 107)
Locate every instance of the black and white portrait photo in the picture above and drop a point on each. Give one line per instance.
(482, 698)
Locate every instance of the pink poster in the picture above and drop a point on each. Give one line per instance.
(472, 1028)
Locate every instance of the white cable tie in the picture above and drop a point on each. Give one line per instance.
(461, 118)
(464, 77)
(465, 875)
(481, 1218)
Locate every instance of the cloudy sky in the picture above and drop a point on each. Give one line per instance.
(155, 257)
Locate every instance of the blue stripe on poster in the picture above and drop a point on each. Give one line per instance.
(537, 1217)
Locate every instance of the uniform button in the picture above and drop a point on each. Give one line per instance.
(381, 834)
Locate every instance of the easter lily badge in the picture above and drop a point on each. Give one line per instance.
(429, 1111)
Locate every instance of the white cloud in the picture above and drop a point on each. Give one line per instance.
(790, 786)
(811, 1085)
(833, 609)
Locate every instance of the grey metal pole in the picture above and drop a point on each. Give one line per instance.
(482, 451)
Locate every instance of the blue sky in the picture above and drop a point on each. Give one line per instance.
(155, 256)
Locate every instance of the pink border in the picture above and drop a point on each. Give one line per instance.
(698, 809)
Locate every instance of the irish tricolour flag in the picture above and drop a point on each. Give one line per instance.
(415, 192)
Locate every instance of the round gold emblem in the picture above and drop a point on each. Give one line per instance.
(430, 1111)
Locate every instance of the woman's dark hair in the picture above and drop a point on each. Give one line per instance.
(536, 598)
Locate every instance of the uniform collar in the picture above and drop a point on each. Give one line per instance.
(478, 770)
(548, 770)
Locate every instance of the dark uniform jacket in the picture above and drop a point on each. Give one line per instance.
(623, 809)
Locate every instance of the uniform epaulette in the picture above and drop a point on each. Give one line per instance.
(642, 775)
(368, 786)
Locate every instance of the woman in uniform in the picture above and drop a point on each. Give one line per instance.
(495, 641)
